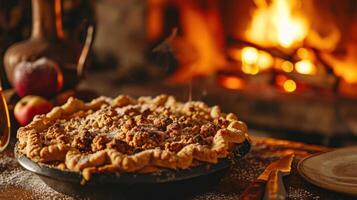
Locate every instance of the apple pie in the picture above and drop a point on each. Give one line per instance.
(130, 135)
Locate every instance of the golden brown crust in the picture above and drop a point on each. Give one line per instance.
(130, 135)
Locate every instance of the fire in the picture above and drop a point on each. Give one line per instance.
(254, 60)
(345, 66)
(287, 66)
(277, 23)
(304, 53)
(288, 85)
(249, 55)
(202, 32)
(231, 82)
(282, 38)
(155, 18)
(305, 67)
(265, 60)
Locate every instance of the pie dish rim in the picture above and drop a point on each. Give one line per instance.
(164, 176)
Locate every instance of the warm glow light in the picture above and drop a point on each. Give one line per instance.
(265, 60)
(289, 85)
(201, 50)
(254, 60)
(249, 58)
(250, 69)
(305, 67)
(155, 17)
(287, 66)
(234, 53)
(277, 23)
(345, 67)
(58, 11)
(280, 79)
(249, 55)
(303, 53)
(232, 82)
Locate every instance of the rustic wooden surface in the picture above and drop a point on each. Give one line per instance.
(17, 183)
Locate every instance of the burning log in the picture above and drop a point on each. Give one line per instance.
(239, 43)
(305, 65)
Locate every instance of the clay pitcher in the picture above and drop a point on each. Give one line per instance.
(47, 40)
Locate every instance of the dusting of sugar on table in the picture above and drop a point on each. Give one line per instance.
(17, 183)
(298, 193)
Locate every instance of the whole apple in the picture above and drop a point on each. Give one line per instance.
(29, 106)
(42, 77)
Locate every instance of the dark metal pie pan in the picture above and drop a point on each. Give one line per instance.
(173, 184)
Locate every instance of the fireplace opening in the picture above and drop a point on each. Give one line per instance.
(281, 64)
(285, 66)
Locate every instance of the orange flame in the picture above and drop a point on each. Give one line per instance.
(277, 23)
(254, 60)
(231, 82)
(155, 19)
(305, 67)
(202, 32)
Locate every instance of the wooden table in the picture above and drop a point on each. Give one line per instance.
(17, 183)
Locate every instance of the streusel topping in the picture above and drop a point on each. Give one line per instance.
(150, 123)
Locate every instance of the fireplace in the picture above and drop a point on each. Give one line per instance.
(284, 65)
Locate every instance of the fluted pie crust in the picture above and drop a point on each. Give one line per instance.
(130, 135)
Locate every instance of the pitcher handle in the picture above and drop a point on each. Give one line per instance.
(85, 51)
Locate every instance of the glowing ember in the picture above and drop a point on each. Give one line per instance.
(249, 59)
(304, 53)
(265, 60)
(289, 85)
(254, 60)
(305, 67)
(249, 55)
(231, 82)
(287, 66)
(250, 69)
(281, 35)
(277, 23)
(286, 84)
(280, 79)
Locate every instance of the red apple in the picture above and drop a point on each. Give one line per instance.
(30, 106)
(42, 77)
